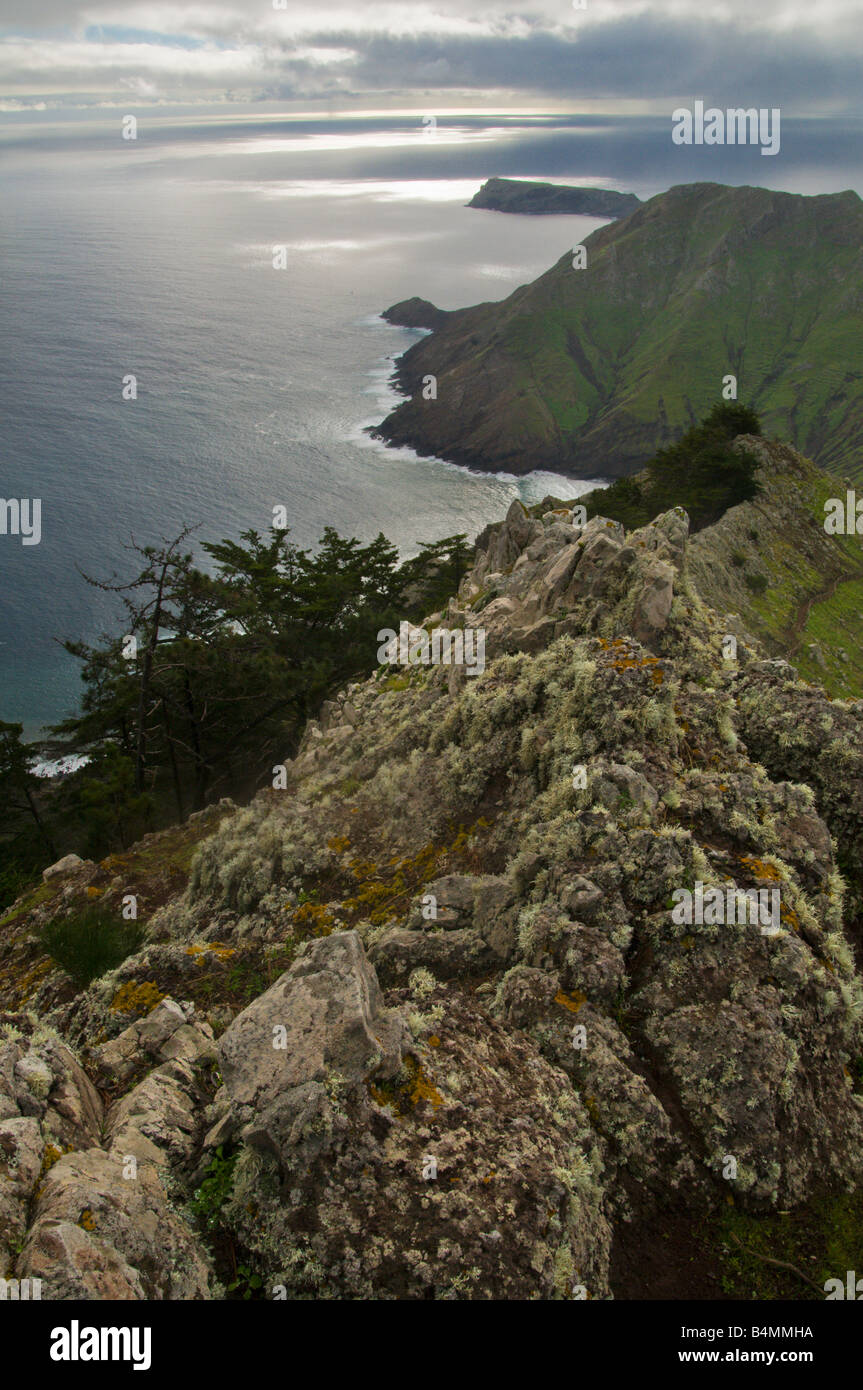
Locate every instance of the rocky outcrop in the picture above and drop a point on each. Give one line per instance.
(415, 313)
(794, 730)
(534, 580)
(381, 1166)
(133, 1242)
(428, 1023)
(69, 864)
(464, 926)
(83, 1204)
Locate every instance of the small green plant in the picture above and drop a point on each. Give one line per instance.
(90, 942)
(208, 1199)
(246, 980)
(246, 1280)
(738, 558)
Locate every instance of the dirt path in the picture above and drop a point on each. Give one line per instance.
(795, 632)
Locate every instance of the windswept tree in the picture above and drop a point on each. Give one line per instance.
(19, 785)
(215, 673)
(26, 836)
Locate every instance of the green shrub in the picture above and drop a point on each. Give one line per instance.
(701, 472)
(90, 942)
(738, 558)
(756, 582)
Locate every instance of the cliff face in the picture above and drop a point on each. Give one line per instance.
(589, 371)
(543, 199)
(437, 1032)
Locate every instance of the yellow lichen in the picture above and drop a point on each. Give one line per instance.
(138, 999)
(216, 948)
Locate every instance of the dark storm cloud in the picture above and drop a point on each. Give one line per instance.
(646, 57)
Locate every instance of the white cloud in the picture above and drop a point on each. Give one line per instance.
(622, 49)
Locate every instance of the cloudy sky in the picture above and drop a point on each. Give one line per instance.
(615, 55)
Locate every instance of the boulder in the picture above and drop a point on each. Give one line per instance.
(130, 1215)
(67, 865)
(323, 1019)
(74, 1265)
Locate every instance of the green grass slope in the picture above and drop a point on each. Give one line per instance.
(770, 562)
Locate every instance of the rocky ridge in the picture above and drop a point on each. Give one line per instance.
(483, 1060)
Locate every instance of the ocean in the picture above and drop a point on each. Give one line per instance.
(153, 258)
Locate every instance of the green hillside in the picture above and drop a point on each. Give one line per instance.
(770, 562)
(590, 371)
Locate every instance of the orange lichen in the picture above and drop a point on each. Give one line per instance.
(422, 1088)
(408, 1090)
(317, 916)
(625, 659)
(572, 1001)
(760, 869)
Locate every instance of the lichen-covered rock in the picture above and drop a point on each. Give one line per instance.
(449, 955)
(40, 1077)
(472, 1173)
(157, 1121)
(74, 1265)
(124, 1208)
(169, 1032)
(462, 925)
(795, 731)
(21, 1150)
(67, 865)
(640, 1143)
(323, 1019)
